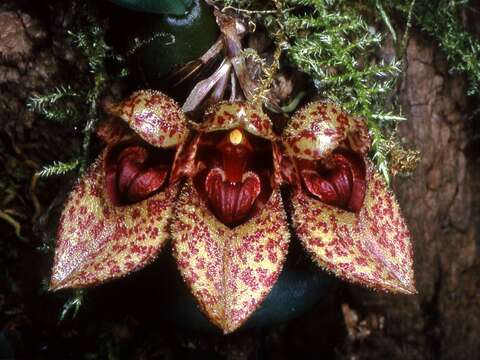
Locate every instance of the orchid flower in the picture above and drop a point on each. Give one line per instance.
(214, 190)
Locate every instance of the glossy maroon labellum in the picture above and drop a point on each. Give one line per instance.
(338, 180)
(136, 171)
(215, 191)
(234, 173)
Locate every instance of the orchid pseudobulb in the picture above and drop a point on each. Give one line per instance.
(214, 189)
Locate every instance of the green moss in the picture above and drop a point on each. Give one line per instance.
(79, 107)
(336, 46)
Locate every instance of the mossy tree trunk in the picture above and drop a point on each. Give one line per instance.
(440, 202)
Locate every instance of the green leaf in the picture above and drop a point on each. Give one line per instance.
(169, 7)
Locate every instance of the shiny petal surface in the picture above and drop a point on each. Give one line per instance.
(97, 241)
(157, 118)
(371, 247)
(232, 201)
(226, 116)
(319, 128)
(229, 271)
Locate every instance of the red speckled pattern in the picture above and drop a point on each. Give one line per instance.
(98, 241)
(229, 271)
(371, 247)
(319, 128)
(154, 116)
(226, 116)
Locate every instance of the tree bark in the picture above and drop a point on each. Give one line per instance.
(442, 321)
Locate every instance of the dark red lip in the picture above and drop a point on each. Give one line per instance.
(338, 181)
(234, 177)
(135, 171)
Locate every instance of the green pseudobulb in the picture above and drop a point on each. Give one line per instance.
(169, 7)
(157, 44)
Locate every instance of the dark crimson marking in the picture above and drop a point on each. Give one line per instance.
(135, 172)
(339, 180)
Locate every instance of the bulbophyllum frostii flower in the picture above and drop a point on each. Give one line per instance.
(214, 190)
(343, 212)
(230, 234)
(117, 217)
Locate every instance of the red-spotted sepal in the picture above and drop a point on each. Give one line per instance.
(369, 247)
(226, 116)
(229, 270)
(320, 127)
(155, 117)
(99, 239)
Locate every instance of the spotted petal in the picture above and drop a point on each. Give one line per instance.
(229, 270)
(320, 127)
(154, 116)
(226, 116)
(371, 247)
(97, 241)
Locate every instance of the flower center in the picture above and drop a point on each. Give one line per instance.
(135, 172)
(338, 181)
(234, 179)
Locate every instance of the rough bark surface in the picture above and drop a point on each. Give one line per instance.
(440, 202)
